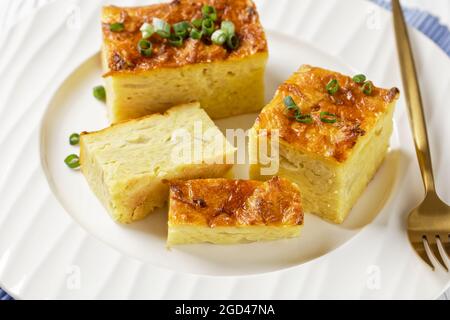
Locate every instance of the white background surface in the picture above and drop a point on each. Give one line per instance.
(14, 11)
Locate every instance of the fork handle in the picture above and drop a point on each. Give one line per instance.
(413, 97)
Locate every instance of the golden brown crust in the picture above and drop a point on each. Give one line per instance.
(222, 202)
(357, 112)
(121, 47)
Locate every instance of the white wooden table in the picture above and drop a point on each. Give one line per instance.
(13, 11)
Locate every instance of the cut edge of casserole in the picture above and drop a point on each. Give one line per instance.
(126, 163)
(222, 211)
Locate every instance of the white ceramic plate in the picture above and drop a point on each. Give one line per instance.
(57, 241)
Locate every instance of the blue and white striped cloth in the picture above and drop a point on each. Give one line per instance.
(425, 22)
(428, 24)
(4, 295)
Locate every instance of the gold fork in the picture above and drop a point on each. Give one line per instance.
(429, 223)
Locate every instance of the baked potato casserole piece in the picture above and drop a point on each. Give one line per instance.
(334, 134)
(227, 79)
(126, 163)
(222, 211)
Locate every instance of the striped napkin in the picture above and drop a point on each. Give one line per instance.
(428, 24)
(425, 22)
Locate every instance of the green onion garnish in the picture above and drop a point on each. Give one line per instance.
(303, 118)
(290, 103)
(207, 27)
(147, 30)
(228, 27)
(196, 34)
(367, 88)
(181, 29)
(219, 37)
(332, 86)
(233, 42)
(117, 27)
(359, 78)
(197, 23)
(161, 27)
(72, 161)
(74, 139)
(209, 12)
(298, 116)
(145, 47)
(176, 41)
(99, 92)
(328, 117)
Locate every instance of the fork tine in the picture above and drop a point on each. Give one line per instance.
(422, 252)
(433, 245)
(445, 242)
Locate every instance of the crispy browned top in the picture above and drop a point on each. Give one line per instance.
(222, 202)
(121, 47)
(357, 112)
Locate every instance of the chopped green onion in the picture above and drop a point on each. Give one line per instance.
(367, 88)
(332, 86)
(207, 27)
(117, 27)
(181, 29)
(219, 37)
(328, 117)
(74, 139)
(99, 92)
(72, 161)
(196, 34)
(233, 42)
(145, 48)
(162, 28)
(176, 41)
(228, 27)
(359, 78)
(298, 116)
(147, 30)
(197, 23)
(209, 12)
(303, 118)
(290, 103)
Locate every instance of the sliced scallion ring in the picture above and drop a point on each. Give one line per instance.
(72, 161)
(176, 41)
(182, 29)
(328, 117)
(145, 47)
(147, 30)
(161, 27)
(332, 86)
(290, 103)
(196, 34)
(209, 12)
(197, 23)
(207, 27)
(99, 92)
(303, 118)
(359, 78)
(228, 27)
(219, 37)
(367, 88)
(74, 139)
(117, 27)
(233, 42)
